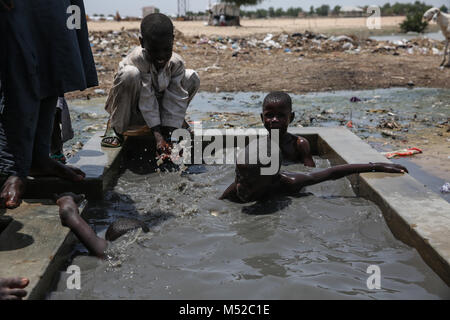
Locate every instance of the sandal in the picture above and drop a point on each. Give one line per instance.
(112, 139)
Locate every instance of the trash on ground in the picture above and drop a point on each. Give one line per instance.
(402, 153)
(446, 188)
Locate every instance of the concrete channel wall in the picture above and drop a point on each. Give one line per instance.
(35, 245)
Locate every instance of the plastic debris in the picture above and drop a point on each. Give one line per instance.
(99, 91)
(355, 99)
(402, 153)
(446, 188)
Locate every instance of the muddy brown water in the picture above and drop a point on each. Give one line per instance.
(315, 245)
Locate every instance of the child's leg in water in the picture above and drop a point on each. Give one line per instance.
(70, 217)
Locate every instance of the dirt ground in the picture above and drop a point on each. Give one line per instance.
(302, 69)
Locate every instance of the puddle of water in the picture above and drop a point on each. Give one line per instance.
(313, 246)
(400, 36)
(318, 109)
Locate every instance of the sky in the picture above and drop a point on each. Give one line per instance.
(134, 7)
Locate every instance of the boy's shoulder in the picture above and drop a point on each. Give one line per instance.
(300, 143)
(137, 58)
(177, 59)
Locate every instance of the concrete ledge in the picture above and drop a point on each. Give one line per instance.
(34, 245)
(98, 163)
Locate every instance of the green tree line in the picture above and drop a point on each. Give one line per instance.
(397, 9)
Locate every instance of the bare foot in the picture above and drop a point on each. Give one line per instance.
(12, 191)
(13, 288)
(68, 210)
(49, 167)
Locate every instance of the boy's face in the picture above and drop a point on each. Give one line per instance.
(250, 184)
(158, 50)
(277, 115)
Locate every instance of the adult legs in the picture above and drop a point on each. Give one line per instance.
(42, 164)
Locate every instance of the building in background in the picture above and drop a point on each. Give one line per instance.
(349, 11)
(224, 14)
(149, 10)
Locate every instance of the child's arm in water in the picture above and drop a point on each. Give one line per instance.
(70, 217)
(294, 182)
(304, 150)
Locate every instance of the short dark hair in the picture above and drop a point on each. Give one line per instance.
(156, 25)
(276, 97)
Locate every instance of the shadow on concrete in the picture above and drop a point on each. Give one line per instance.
(15, 240)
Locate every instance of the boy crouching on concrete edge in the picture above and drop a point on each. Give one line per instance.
(152, 87)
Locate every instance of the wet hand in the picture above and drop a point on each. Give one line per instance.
(390, 168)
(163, 149)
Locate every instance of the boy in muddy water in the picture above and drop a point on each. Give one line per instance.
(277, 114)
(70, 217)
(152, 89)
(250, 185)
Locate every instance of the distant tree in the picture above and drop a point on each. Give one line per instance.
(386, 10)
(337, 10)
(444, 9)
(261, 13)
(157, 10)
(323, 10)
(279, 12)
(311, 10)
(293, 12)
(414, 13)
(271, 12)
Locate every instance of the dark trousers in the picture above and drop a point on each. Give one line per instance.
(27, 126)
(26, 121)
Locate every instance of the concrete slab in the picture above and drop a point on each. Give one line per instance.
(34, 245)
(97, 162)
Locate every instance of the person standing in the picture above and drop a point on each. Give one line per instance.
(41, 57)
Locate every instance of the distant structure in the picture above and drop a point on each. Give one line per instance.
(148, 10)
(182, 8)
(224, 14)
(349, 11)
